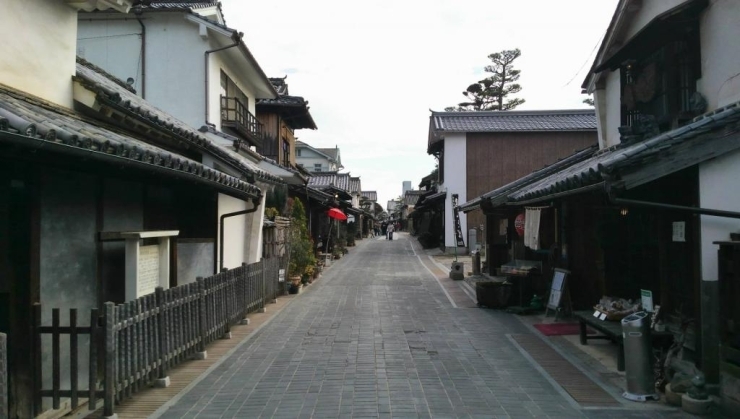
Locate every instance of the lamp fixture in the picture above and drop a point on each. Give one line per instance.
(624, 211)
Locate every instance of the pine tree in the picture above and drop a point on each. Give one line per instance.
(490, 94)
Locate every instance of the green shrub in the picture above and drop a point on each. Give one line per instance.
(301, 245)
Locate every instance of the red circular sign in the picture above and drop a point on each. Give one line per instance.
(519, 224)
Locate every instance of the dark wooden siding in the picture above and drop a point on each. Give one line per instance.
(495, 159)
(270, 144)
(275, 131)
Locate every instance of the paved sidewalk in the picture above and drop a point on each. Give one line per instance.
(382, 336)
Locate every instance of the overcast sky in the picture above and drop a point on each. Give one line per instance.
(371, 71)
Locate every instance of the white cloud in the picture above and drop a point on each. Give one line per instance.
(371, 71)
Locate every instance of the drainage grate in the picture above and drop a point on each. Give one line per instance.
(581, 388)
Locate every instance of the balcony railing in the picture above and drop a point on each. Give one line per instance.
(235, 115)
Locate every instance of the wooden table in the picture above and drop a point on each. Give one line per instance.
(613, 331)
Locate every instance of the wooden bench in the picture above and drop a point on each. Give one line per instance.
(612, 331)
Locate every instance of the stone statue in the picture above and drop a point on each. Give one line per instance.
(698, 390)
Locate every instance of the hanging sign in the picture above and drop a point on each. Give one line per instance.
(519, 224)
(458, 227)
(646, 297)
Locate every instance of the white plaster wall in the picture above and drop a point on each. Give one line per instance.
(720, 56)
(220, 61)
(309, 158)
(254, 223)
(175, 67)
(455, 155)
(649, 9)
(174, 59)
(600, 106)
(112, 41)
(718, 187)
(38, 48)
(175, 62)
(235, 232)
(613, 104)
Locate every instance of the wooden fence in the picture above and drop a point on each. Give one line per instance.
(134, 344)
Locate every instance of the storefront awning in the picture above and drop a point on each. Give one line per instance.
(626, 166)
(45, 128)
(428, 201)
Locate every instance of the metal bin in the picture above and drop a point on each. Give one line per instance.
(638, 358)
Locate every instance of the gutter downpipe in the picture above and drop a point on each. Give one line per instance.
(143, 54)
(671, 207)
(207, 53)
(633, 202)
(221, 230)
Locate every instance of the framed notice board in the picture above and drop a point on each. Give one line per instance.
(557, 289)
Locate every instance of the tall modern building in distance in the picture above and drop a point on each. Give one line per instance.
(406, 187)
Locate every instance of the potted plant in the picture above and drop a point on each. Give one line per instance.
(301, 246)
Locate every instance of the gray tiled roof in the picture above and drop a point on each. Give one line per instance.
(324, 179)
(178, 4)
(108, 89)
(507, 121)
(280, 85)
(430, 198)
(331, 152)
(61, 130)
(355, 185)
(412, 196)
(295, 109)
(629, 165)
(370, 195)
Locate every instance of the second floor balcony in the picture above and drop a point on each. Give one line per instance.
(236, 116)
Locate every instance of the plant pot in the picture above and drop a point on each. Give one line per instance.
(295, 289)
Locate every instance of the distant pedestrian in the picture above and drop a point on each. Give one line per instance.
(390, 231)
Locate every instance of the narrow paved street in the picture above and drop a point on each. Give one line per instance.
(377, 336)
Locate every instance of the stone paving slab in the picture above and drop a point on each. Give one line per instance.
(379, 337)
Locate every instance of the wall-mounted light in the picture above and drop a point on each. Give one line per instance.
(624, 211)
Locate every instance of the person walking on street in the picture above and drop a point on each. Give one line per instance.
(390, 231)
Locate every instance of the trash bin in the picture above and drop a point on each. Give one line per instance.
(638, 358)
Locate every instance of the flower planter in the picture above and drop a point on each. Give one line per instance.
(295, 289)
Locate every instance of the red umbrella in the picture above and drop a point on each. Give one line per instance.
(336, 214)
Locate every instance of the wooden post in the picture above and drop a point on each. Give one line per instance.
(226, 293)
(163, 379)
(55, 361)
(73, 355)
(37, 373)
(109, 386)
(3, 376)
(202, 353)
(244, 294)
(262, 286)
(92, 389)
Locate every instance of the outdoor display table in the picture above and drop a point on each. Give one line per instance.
(612, 331)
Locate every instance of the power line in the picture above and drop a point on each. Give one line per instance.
(587, 60)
